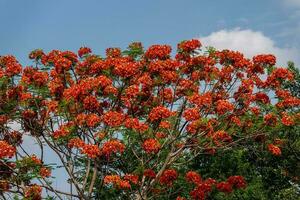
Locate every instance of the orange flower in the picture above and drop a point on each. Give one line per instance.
(6, 150)
(33, 192)
(159, 112)
(84, 51)
(223, 106)
(45, 172)
(287, 120)
(113, 118)
(191, 114)
(158, 52)
(151, 146)
(113, 146)
(168, 177)
(275, 150)
(193, 177)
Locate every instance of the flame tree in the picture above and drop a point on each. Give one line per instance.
(127, 125)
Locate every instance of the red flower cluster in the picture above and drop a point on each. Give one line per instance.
(191, 114)
(270, 119)
(189, 45)
(168, 177)
(62, 64)
(132, 178)
(33, 192)
(223, 106)
(45, 172)
(92, 151)
(261, 97)
(221, 136)
(237, 182)
(149, 173)
(202, 189)
(224, 187)
(84, 51)
(91, 120)
(35, 77)
(117, 182)
(112, 146)
(277, 75)
(63, 131)
(134, 123)
(113, 118)
(11, 66)
(159, 112)
(113, 52)
(264, 59)
(193, 177)
(36, 54)
(275, 150)
(151, 146)
(287, 120)
(91, 103)
(158, 52)
(6, 150)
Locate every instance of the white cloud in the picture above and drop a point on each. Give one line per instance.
(250, 43)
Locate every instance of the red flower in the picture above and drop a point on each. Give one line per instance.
(262, 97)
(117, 181)
(223, 106)
(151, 146)
(11, 65)
(264, 59)
(193, 177)
(270, 119)
(83, 51)
(237, 181)
(45, 172)
(191, 114)
(158, 52)
(159, 112)
(287, 120)
(113, 118)
(92, 151)
(149, 173)
(221, 136)
(113, 52)
(168, 177)
(132, 178)
(189, 45)
(113, 146)
(91, 103)
(275, 150)
(76, 142)
(165, 124)
(62, 64)
(33, 192)
(6, 150)
(224, 187)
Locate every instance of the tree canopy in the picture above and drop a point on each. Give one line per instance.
(147, 124)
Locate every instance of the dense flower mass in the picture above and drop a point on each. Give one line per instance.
(158, 52)
(144, 124)
(112, 146)
(159, 112)
(151, 146)
(6, 150)
(168, 177)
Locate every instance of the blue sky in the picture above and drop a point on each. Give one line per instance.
(67, 25)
